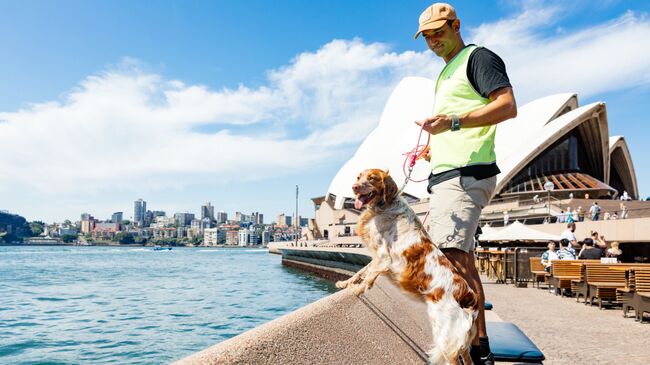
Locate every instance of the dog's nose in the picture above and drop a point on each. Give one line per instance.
(355, 188)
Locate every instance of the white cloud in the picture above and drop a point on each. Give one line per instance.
(129, 128)
(589, 61)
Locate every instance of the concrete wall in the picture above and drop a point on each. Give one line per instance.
(624, 230)
(381, 327)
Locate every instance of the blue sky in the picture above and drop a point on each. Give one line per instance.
(236, 102)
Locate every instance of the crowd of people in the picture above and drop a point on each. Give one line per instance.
(591, 248)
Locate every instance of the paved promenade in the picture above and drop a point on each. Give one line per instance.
(571, 333)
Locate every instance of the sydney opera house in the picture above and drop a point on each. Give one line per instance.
(552, 139)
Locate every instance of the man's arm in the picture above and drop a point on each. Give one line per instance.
(502, 107)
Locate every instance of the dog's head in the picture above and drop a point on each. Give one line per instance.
(374, 187)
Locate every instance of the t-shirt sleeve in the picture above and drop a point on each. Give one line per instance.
(486, 72)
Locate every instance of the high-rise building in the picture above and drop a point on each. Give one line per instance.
(139, 210)
(222, 217)
(117, 217)
(280, 220)
(257, 218)
(207, 211)
(184, 219)
(148, 218)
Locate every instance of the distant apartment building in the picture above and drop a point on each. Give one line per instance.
(266, 237)
(105, 230)
(160, 233)
(211, 237)
(244, 237)
(207, 211)
(222, 217)
(232, 236)
(116, 217)
(139, 210)
(87, 223)
(183, 219)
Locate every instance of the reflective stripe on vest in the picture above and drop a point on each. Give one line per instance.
(456, 95)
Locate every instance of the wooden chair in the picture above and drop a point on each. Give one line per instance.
(579, 286)
(641, 300)
(603, 282)
(537, 270)
(563, 273)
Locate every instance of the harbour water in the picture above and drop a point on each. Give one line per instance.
(122, 305)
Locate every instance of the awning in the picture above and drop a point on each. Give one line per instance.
(517, 232)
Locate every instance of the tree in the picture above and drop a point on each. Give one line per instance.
(124, 238)
(37, 228)
(67, 238)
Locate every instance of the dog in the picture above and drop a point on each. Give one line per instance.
(402, 249)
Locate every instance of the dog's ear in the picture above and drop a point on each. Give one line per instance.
(390, 189)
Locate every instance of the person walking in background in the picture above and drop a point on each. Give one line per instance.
(569, 215)
(594, 211)
(623, 209)
(472, 95)
(506, 218)
(581, 214)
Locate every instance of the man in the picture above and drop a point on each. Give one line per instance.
(473, 94)
(549, 256)
(588, 251)
(566, 252)
(569, 234)
(594, 211)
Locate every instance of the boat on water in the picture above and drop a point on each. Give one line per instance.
(160, 248)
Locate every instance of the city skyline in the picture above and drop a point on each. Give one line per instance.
(95, 113)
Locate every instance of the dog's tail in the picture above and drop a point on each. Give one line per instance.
(453, 330)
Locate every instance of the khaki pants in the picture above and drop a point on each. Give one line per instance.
(455, 208)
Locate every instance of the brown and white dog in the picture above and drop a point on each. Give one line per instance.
(402, 249)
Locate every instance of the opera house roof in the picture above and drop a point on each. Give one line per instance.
(551, 139)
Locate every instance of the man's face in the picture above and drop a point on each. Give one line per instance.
(551, 246)
(442, 41)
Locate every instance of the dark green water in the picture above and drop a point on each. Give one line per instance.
(108, 305)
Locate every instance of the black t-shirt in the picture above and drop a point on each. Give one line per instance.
(486, 73)
(591, 253)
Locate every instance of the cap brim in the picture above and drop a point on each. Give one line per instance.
(429, 26)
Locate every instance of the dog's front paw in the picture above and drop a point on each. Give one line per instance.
(360, 289)
(342, 284)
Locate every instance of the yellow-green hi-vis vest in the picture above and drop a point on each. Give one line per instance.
(456, 95)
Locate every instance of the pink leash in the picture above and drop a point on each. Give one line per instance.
(418, 152)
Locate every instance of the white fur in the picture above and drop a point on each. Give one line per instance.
(392, 230)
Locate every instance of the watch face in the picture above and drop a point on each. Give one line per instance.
(455, 124)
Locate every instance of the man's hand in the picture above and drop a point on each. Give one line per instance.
(437, 124)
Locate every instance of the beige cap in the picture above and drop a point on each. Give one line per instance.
(435, 16)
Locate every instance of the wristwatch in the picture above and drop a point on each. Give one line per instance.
(455, 123)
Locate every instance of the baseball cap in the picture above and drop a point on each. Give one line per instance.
(435, 16)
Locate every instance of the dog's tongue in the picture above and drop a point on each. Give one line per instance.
(358, 204)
